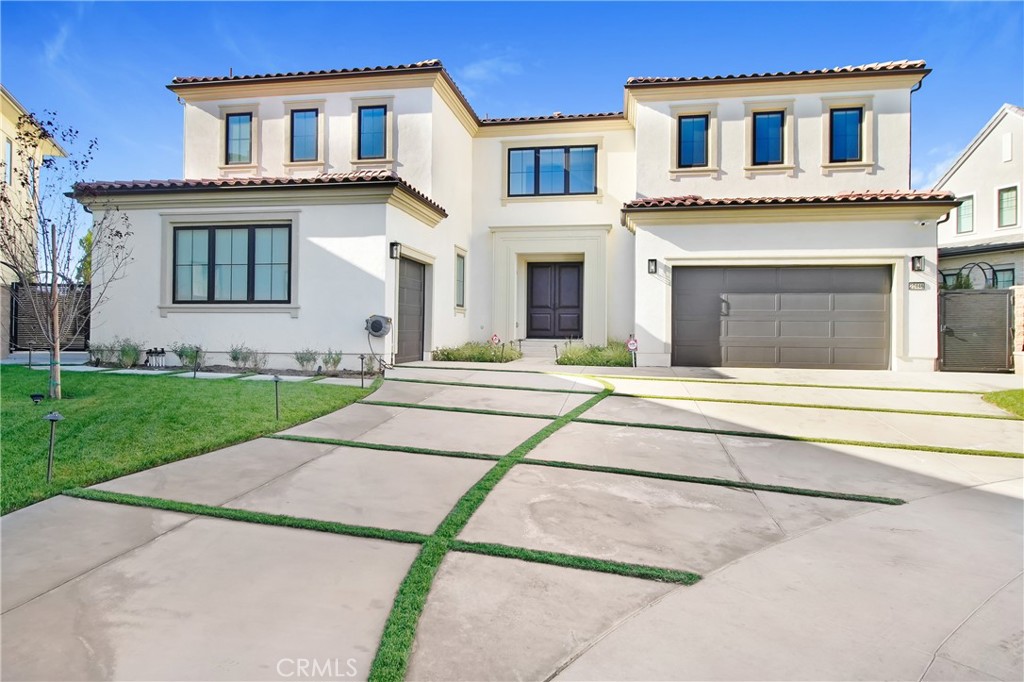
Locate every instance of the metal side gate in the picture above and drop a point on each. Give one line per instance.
(976, 330)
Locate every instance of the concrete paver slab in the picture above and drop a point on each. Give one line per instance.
(74, 368)
(499, 619)
(347, 381)
(674, 452)
(291, 378)
(960, 432)
(437, 430)
(432, 374)
(563, 381)
(869, 597)
(142, 372)
(649, 411)
(54, 541)
(213, 600)
(370, 488)
(346, 423)
(623, 518)
(944, 670)
(987, 469)
(219, 476)
(206, 375)
(405, 392)
(508, 400)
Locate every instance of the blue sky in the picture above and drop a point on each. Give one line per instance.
(102, 66)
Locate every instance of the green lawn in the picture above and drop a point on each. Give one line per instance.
(1011, 401)
(117, 424)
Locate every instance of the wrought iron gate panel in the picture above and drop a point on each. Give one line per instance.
(976, 330)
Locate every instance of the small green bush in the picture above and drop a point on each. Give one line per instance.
(190, 354)
(102, 353)
(129, 352)
(478, 352)
(240, 356)
(257, 361)
(331, 358)
(306, 358)
(612, 355)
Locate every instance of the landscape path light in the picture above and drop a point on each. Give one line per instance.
(53, 418)
(277, 397)
(37, 398)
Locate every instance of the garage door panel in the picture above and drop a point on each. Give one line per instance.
(782, 317)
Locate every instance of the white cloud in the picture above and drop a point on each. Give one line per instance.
(53, 49)
(489, 70)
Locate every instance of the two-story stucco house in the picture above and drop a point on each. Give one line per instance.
(749, 220)
(984, 236)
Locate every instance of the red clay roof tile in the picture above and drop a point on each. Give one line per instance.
(877, 67)
(694, 201)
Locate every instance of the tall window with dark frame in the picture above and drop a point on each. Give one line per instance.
(768, 137)
(540, 171)
(845, 134)
(232, 264)
(8, 161)
(693, 141)
(965, 216)
(304, 135)
(1003, 279)
(373, 132)
(460, 281)
(238, 139)
(1007, 206)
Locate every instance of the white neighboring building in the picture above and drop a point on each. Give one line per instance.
(986, 229)
(753, 220)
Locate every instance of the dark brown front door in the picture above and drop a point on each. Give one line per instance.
(554, 300)
(411, 286)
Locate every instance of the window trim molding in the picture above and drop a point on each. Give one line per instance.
(320, 161)
(171, 221)
(999, 212)
(709, 109)
(464, 253)
(390, 131)
(868, 141)
(974, 214)
(255, 147)
(508, 147)
(789, 132)
(996, 269)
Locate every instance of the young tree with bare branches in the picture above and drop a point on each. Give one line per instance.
(41, 227)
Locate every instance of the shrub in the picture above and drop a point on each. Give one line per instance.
(102, 353)
(332, 359)
(129, 352)
(306, 358)
(241, 356)
(190, 354)
(612, 355)
(257, 361)
(478, 352)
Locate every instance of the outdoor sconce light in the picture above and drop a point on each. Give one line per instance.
(917, 263)
(395, 249)
(277, 397)
(53, 418)
(37, 398)
(652, 266)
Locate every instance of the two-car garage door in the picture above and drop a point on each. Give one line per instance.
(813, 317)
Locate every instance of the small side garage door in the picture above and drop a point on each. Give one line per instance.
(812, 317)
(411, 287)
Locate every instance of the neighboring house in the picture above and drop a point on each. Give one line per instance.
(19, 175)
(753, 220)
(986, 229)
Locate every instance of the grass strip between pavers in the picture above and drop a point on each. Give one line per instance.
(808, 439)
(459, 384)
(665, 575)
(848, 408)
(392, 659)
(742, 382)
(247, 516)
(388, 448)
(464, 410)
(721, 482)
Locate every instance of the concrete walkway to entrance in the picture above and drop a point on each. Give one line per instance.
(840, 533)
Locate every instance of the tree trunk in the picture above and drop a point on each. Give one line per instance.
(55, 392)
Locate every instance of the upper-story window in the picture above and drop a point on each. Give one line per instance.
(965, 216)
(238, 139)
(1007, 206)
(552, 170)
(304, 143)
(8, 161)
(693, 141)
(232, 264)
(460, 278)
(768, 137)
(845, 126)
(373, 132)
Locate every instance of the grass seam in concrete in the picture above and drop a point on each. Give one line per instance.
(809, 439)
(458, 384)
(387, 448)
(848, 408)
(463, 410)
(392, 658)
(646, 572)
(720, 482)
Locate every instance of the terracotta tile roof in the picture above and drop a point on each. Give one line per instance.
(694, 201)
(368, 177)
(557, 116)
(425, 65)
(878, 67)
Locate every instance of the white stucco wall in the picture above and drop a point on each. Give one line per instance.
(858, 242)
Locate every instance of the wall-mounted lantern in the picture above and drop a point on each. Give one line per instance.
(395, 250)
(652, 266)
(917, 263)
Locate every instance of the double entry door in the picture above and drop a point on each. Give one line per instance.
(554, 300)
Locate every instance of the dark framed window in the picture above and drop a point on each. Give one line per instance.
(693, 141)
(8, 161)
(246, 264)
(1007, 206)
(1004, 279)
(768, 137)
(304, 135)
(238, 147)
(373, 137)
(965, 216)
(845, 127)
(460, 280)
(539, 171)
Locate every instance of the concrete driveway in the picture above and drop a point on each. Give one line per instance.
(839, 531)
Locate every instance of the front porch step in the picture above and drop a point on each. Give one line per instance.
(541, 348)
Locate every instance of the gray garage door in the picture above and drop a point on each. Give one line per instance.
(411, 287)
(813, 317)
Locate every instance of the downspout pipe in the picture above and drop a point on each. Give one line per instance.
(910, 170)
